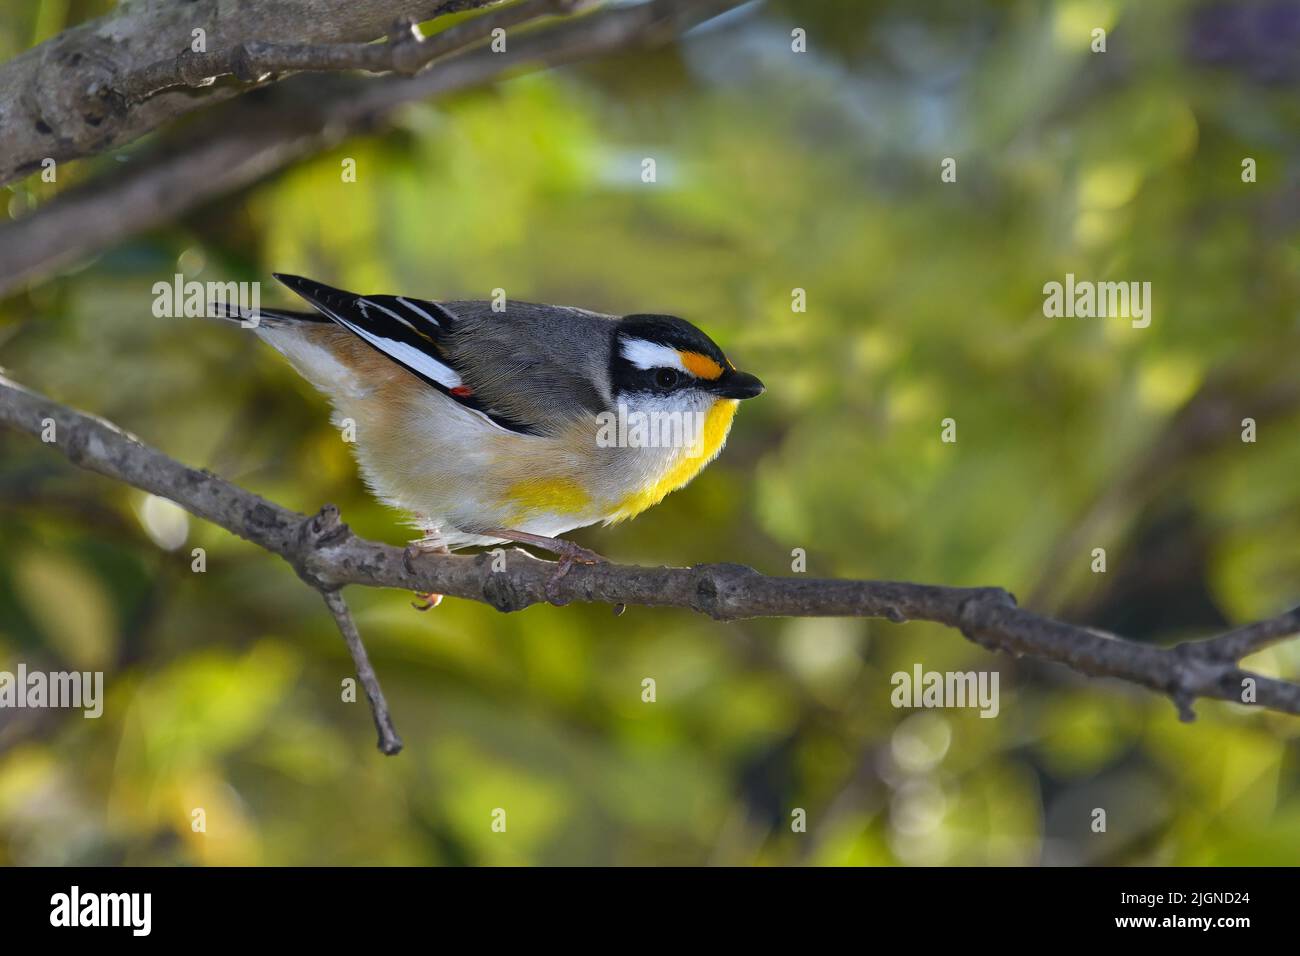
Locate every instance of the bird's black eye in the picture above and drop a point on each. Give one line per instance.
(666, 378)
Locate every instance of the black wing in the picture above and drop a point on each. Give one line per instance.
(411, 332)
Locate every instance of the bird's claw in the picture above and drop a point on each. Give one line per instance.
(428, 600)
(572, 554)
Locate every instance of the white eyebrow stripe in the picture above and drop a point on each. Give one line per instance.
(415, 308)
(645, 354)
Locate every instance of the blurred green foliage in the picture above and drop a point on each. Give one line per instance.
(776, 171)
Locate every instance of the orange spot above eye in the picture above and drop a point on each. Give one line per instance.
(701, 366)
(461, 391)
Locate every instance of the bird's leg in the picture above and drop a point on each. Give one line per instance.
(568, 553)
(430, 543)
(557, 546)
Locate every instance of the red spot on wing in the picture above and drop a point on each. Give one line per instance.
(462, 391)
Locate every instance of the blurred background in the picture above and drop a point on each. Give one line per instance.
(776, 171)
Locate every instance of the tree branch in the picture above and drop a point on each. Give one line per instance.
(78, 93)
(327, 555)
(405, 51)
(248, 140)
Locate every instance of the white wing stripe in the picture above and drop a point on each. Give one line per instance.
(364, 302)
(412, 358)
(409, 356)
(415, 308)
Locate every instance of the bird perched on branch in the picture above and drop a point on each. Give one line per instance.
(514, 425)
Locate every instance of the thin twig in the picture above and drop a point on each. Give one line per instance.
(1244, 641)
(389, 742)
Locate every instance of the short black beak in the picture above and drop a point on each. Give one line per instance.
(738, 385)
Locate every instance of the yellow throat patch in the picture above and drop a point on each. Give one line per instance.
(717, 422)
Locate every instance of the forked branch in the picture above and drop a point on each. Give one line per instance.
(328, 556)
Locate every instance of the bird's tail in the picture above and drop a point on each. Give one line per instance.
(253, 317)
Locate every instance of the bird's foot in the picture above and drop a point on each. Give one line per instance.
(427, 600)
(568, 558)
(568, 553)
(431, 543)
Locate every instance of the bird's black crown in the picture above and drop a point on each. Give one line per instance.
(671, 331)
